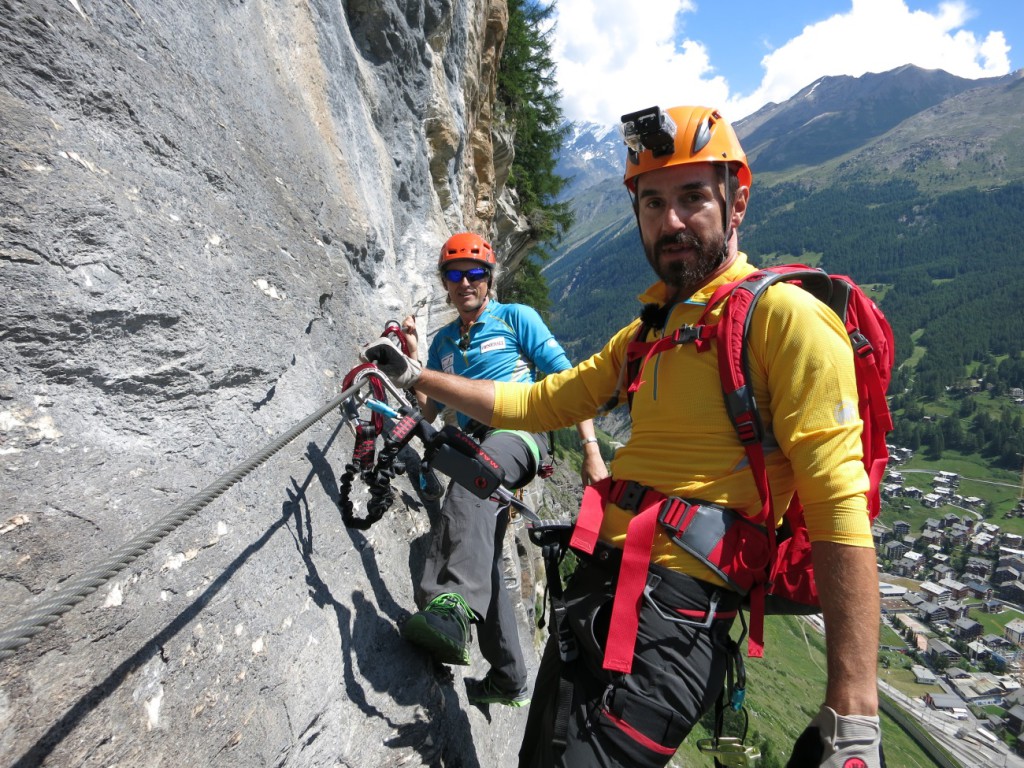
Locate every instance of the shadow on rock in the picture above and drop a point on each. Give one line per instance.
(440, 733)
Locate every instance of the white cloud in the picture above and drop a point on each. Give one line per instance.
(877, 36)
(614, 57)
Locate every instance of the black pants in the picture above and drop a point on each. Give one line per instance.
(465, 557)
(640, 719)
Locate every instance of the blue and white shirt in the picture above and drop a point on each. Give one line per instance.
(508, 342)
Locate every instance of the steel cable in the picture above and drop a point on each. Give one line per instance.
(49, 609)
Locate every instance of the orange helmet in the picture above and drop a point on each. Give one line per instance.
(677, 136)
(466, 245)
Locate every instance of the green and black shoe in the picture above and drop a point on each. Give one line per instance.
(442, 629)
(487, 691)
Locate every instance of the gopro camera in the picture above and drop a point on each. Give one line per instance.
(649, 129)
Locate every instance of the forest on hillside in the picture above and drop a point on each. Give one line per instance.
(951, 264)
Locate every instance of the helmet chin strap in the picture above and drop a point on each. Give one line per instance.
(726, 212)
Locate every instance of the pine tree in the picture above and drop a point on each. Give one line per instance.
(529, 96)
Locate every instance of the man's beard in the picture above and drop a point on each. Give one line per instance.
(686, 276)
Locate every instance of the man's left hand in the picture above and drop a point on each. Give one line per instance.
(832, 740)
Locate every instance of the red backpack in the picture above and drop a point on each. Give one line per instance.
(787, 585)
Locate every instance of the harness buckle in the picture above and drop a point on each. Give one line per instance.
(630, 496)
(673, 514)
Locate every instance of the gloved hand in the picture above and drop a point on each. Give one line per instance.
(839, 741)
(403, 371)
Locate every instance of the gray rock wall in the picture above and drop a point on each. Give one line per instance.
(205, 209)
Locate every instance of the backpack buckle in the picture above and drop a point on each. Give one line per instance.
(861, 346)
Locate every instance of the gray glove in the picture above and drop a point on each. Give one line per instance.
(403, 371)
(839, 741)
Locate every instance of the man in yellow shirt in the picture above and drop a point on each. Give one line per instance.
(634, 701)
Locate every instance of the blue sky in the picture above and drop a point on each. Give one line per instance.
(616, 56)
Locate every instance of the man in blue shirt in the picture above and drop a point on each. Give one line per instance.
(462, 579)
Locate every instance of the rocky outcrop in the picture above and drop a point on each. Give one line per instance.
(205, 209)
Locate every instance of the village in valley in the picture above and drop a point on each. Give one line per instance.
(952, 588)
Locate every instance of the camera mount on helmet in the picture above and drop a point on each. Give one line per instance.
(649, 129)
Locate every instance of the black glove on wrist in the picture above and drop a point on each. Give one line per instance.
(403, 371)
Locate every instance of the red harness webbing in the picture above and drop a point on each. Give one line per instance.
(636, 560)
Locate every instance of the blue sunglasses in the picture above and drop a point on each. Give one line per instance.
(473, 275)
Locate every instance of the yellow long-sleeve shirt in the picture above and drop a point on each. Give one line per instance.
(682, 441)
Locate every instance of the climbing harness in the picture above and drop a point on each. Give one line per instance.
(448, 450)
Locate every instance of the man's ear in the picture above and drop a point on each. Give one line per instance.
(739, 206)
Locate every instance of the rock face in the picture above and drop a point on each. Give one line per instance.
(205, 209)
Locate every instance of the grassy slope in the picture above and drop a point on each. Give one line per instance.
(793, 670)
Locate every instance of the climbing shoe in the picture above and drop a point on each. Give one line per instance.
(442, 629)
(487, 691)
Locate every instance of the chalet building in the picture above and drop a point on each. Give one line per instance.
(993, 606)
(978, 566)
(914, 600)
(1013, 541)
(978, 651)
(1015, 719)
(951, 479)
(933, 592)
(910, 566)
(900, 528)
(932, 500)
(957, 590)
(1010, 556)
(923, 675)
(979, 590)
(951, 518)
(910, 492)
(973, 502)
(910, 540)
(893, 550)
(937, 648)
(967, 629)
(941, 570)
(1005, 575)
(1014, 632)
(880, 533)
(891, 490)
(934, 614)
(1012, 592)
(958, 534)
(933, 524)
(982, 543)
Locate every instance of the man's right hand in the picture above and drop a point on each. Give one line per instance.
(403, 371)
